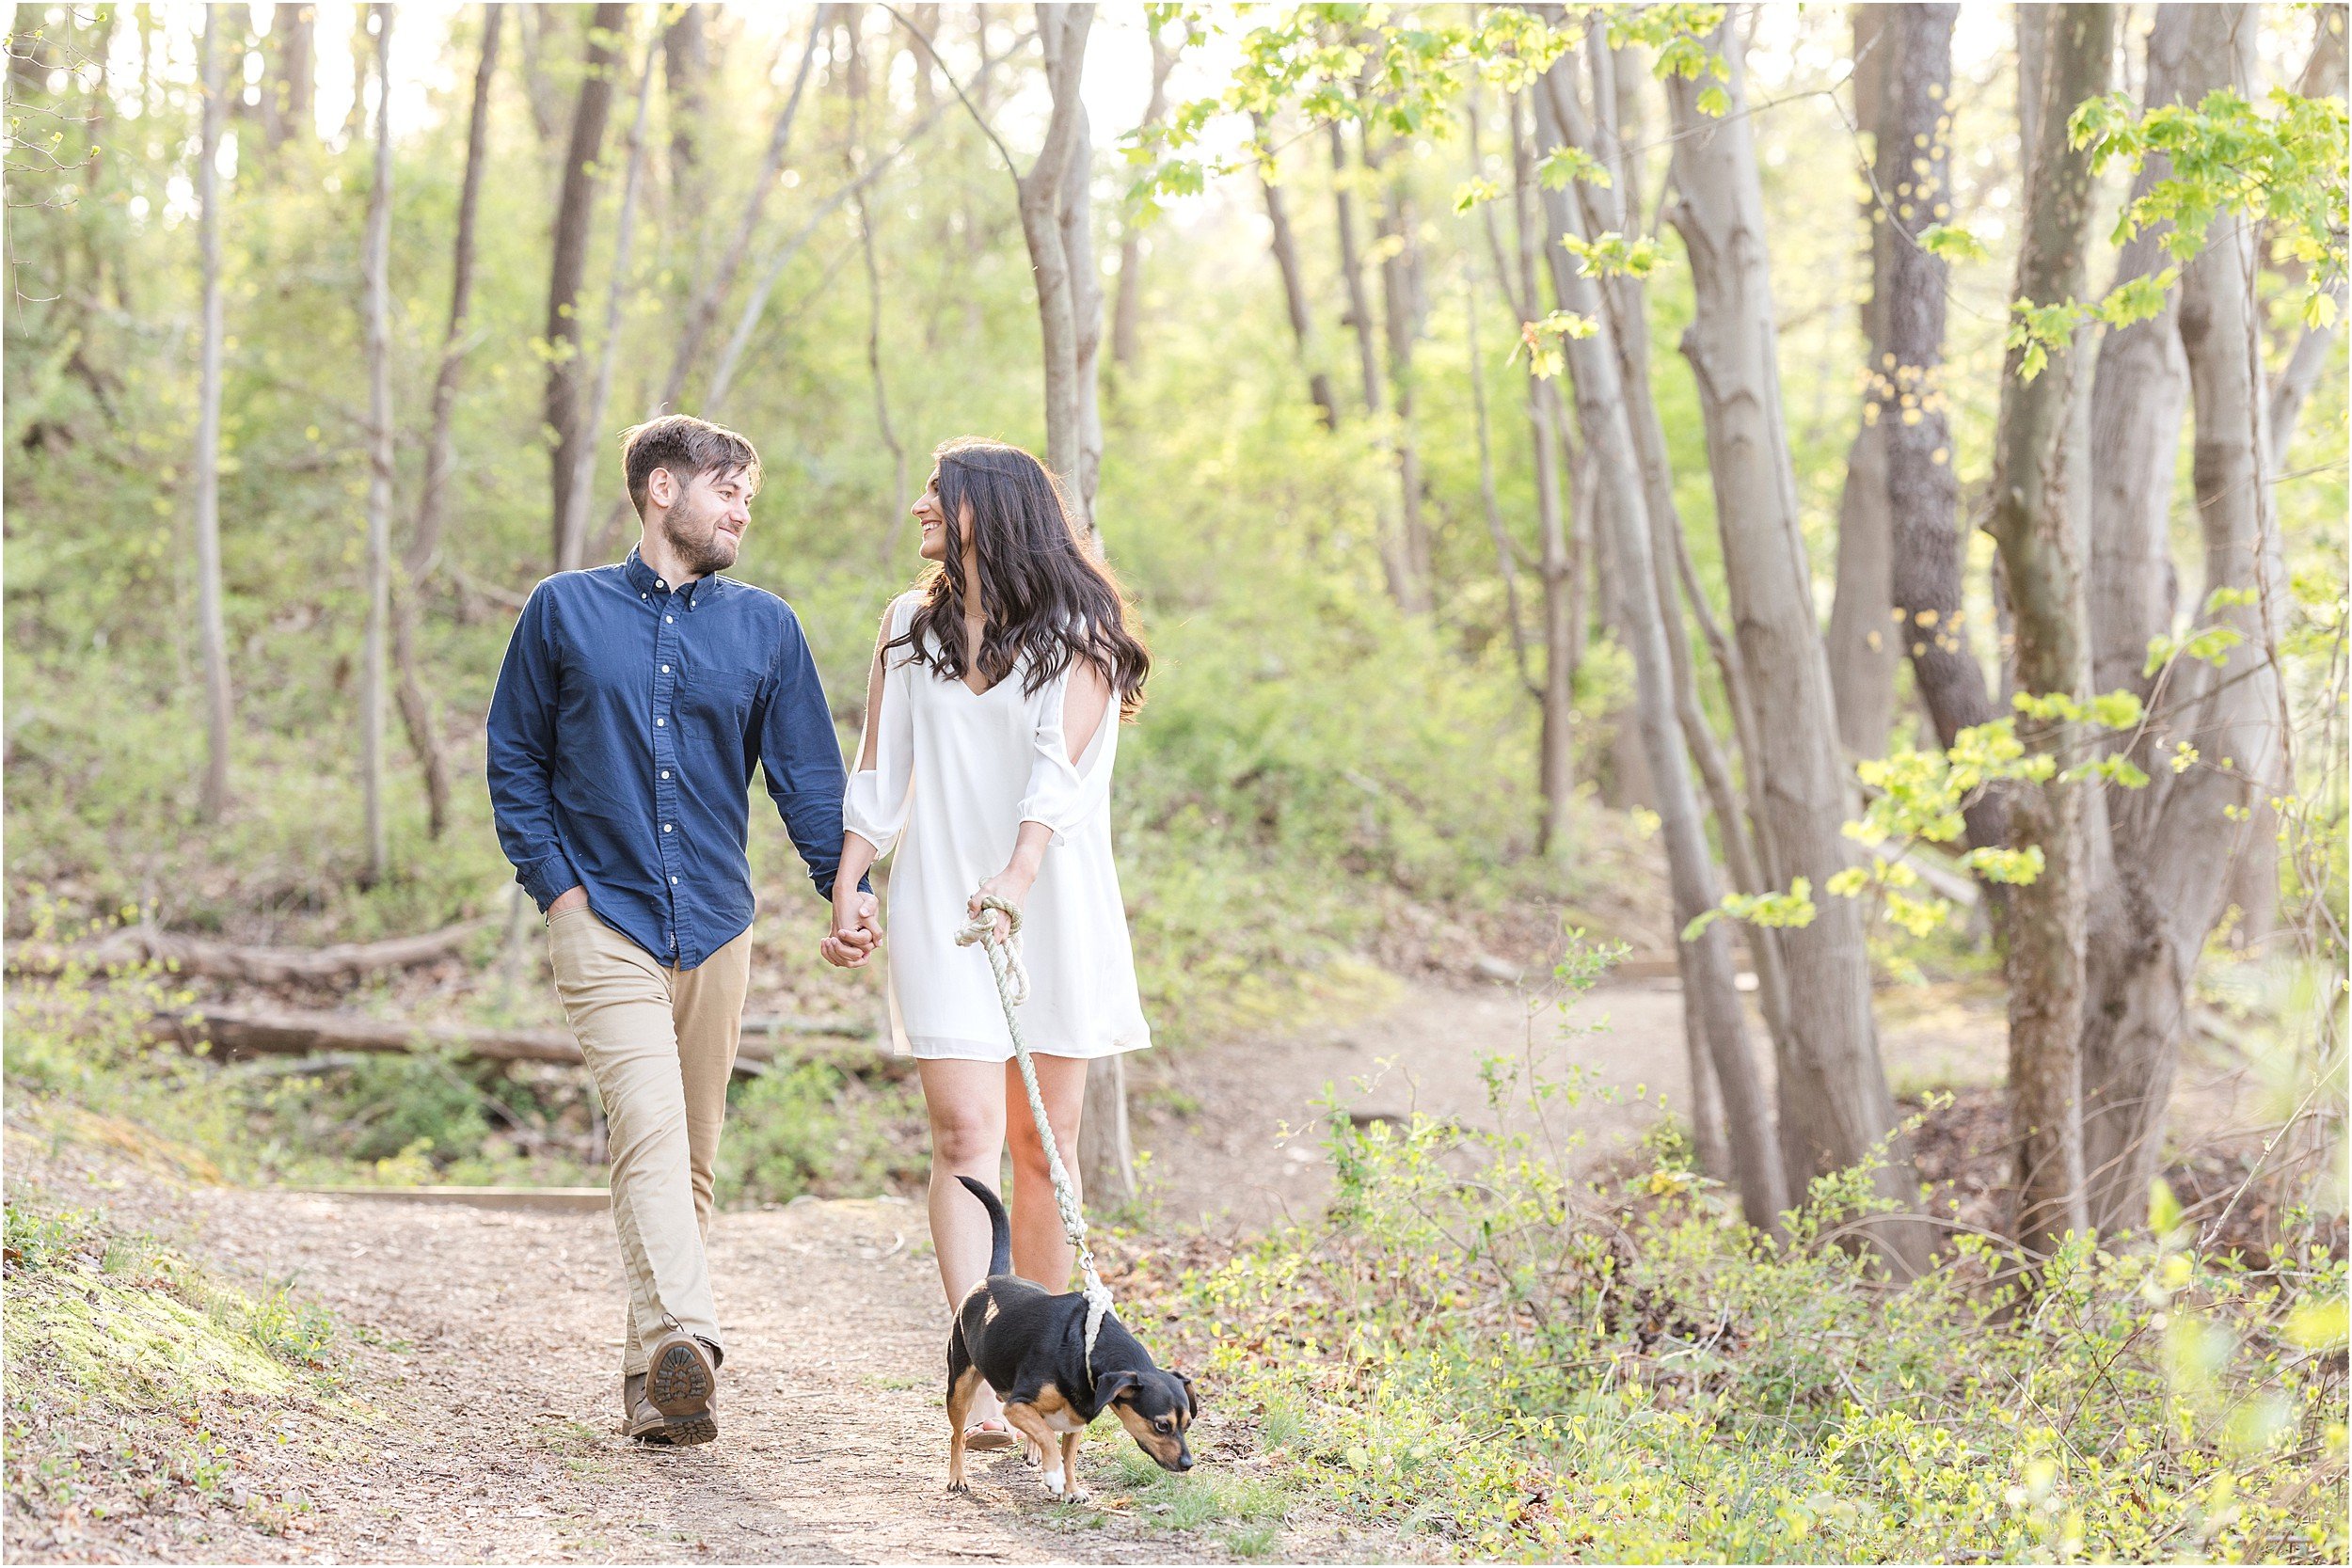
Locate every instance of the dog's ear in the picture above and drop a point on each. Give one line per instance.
(1192, 1395)
(1111, 1387)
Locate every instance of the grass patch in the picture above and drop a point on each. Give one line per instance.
(130, 1371)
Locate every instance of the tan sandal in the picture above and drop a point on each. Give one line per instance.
(989, 1436)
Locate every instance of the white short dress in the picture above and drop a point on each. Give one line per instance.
(955, 775)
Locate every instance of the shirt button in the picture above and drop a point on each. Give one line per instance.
(669, 620)
(659, 583)
(674, 882)
(667, 826)
(665, 772)
(665, 668)
(658, 723)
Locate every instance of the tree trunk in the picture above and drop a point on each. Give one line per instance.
(292, 96)
(580, 494)
(420, 713)
(1746, 840)
(1401, 314)
(1394, 566)
(1706, 964)
(1062, 294)
(378, 260)
(2042, 568)
(1294, 293)
(2174, 840)
(543, 34)
(1127, 317)
(686, 62)
(1835, 1110)
(575, 210)
(1555, 691)
(211, 630)
(1861, 643)
(2137, 401)
(1907, 398)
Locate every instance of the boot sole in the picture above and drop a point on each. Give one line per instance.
(682, 1432)
(679, 1384)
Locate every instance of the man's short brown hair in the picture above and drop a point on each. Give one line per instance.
(687, 447)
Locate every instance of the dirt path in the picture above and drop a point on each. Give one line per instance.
(487, 1339)
(488, 1344)
(1232, 1132)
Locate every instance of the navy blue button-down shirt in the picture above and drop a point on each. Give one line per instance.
(628, 717)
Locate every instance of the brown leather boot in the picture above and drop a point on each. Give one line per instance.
(642, 1421)
(681, 1385)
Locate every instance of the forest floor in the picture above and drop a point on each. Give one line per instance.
(473, 1400)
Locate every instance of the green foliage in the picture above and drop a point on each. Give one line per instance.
(1794, 907)
(1504, 1360)
(808, 1127)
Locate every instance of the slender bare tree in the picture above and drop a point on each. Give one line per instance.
(1127, 313)
(1704, 959)
(2042, 562)
(1862, 644)
(575, 210)
(1835, 1110)
(1285, 243)
(1395, 564)
(580, 494)
(420, 714)
(2165, 885)
(377, 262)
(211, 631)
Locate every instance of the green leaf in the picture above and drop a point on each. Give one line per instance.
(1953, 243)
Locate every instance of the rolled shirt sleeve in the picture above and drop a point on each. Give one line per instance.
(800, 754)
(522, 756)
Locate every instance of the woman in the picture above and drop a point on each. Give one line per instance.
(990, 735)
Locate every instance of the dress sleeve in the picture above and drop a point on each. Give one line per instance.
(1074, 728)
(880, 788)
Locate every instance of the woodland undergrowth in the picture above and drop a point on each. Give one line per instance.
(1505, 1359)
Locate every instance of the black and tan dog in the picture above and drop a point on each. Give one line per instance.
(1030, 1345)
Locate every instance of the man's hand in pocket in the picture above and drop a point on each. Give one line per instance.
(573, 898)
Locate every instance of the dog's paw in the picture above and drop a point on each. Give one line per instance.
(960, 1488)
(1031, 1454)
(1073, 1493)
(1054, 1482)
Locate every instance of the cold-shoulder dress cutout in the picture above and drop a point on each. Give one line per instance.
(947, 775)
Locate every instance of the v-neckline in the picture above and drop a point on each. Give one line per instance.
(972, 665)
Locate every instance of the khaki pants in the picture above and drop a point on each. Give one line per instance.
(660, 1044)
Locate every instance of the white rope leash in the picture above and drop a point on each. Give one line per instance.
(1013, 989)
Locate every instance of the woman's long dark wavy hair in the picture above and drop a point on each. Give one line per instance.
(1046, 595)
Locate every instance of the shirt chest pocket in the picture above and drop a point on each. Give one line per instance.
(718, 697)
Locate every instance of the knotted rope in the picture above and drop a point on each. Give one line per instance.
(1013, 989)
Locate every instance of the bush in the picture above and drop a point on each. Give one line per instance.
(1480, 1348)
(811, 1128)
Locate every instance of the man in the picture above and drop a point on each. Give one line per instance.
(630, 707)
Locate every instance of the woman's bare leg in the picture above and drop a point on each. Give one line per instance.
(1039, 1250)
(966, 1104)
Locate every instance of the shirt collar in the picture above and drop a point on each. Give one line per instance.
(647, 580)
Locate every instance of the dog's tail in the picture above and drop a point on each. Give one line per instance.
(999, 1228)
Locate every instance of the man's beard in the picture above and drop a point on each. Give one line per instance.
(698, 542)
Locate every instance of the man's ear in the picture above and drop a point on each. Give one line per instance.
(662, 488)
(1109, 1390)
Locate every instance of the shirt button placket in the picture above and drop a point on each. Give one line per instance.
(665, 661)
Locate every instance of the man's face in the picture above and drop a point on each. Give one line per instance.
(705, 523)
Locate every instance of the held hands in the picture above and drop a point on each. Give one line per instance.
(856, 929)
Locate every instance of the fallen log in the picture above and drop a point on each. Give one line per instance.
(239, 1034)
(340, 962)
